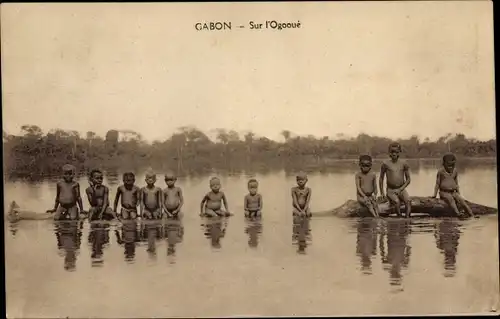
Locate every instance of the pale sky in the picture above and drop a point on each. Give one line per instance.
(384, 68)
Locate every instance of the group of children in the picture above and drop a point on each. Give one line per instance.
(398, 177)
(154, 203)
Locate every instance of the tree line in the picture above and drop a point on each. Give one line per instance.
(34, 152)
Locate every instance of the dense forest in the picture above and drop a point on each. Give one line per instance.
(34, 152)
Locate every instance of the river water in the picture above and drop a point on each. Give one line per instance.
(272, 267)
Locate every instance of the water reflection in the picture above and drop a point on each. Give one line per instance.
(301, 235)
(13, 227)
(128, 236)
(366, 243)
(151, 232)
(253, 228)
(215, 229)
(447, 236)
(174, 233)
(98, 238)
(395, 233)
(69, 238)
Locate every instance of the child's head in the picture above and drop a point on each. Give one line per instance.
(96, 177)
(365, 163)
(170, 179)
(301, 179)
(394, 150)
(253, 186)
(68, 172)
(449, 161)
(128, 179)
(150, 178)
(215, 184)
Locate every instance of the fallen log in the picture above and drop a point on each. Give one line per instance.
(427, 206)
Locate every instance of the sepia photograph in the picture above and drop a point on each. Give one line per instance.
(249, 159)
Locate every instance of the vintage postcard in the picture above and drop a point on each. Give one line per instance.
(249, 159)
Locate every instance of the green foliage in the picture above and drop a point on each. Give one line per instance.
(189, 149)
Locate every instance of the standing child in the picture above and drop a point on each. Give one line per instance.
(253, 200)
(98, 196)
(211, 204)
(151, 198)
(129, 194)
(398, 178)
(301, 196)
(67, 196)
(447, 185)
(172, 197)
(366, 185)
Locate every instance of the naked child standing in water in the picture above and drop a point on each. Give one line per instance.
(366, 185)
(130, 195)
(301, 196)
(211, 204)
(151, 198)
(398, 178)
(172, 197)
(68, 197)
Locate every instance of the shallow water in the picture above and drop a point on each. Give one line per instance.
(273, 266)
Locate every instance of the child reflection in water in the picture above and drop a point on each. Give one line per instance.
(68, 236)
(174, 233)
(98, 237)
(128, 238)
(301, 233)
(398, 250)
(447, 235)
(366, 243)
(253, 229)
(215, 230)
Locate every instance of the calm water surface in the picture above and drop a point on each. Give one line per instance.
(274, 267)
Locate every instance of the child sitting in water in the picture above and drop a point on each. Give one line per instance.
(67, 196)
(151, 198)
(129, 194)
(98, 196)
(366, 185)
(447, 185)
(301, 196)
(253, 200)
(172, 197)
(211, 204)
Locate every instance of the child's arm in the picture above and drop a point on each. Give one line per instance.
(406, 170)
(159, 199)
(105, 201)
(117, 198)
(56, 201)
(295, 204)
(202, 206)
(357, 180)
(245, 203)
(456, 181)
(374, 181)
(181, 199)
(381, 178)
(308, 199)
(261, 203)
(79, 197)
(88, 191)
(224, 201)
(436, 187)
(141, 202)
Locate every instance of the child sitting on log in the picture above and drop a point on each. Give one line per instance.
(68, 198)
(366, 185)
(447, 185)
(398, 179)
